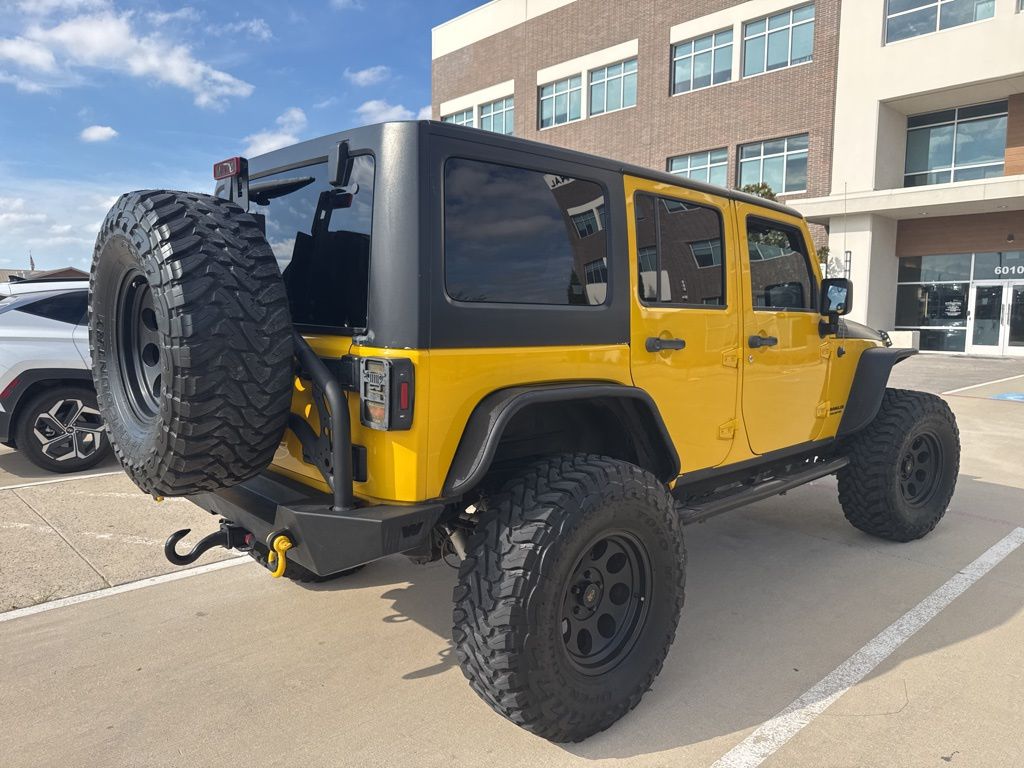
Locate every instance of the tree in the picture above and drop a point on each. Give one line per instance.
(760, 190)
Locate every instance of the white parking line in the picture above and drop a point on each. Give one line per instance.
(31, 610)
(65, 479)
(984, 384)
(773, 734)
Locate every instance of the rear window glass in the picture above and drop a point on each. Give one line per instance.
(65, 308)
(322, 246)
(518, 236)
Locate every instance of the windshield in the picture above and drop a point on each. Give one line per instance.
(321, 238)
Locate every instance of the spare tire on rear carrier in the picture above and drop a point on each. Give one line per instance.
(191, 341)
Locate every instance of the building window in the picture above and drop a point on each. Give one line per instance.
(613, 87)
(585, 223)
(932, 297)
(465, 117)
(781, 164)
(596, 271)
(508, 236)
(707, 253)
(956, 145)
(498, 116)
(778, 41)
(679, 252)
(561, 101)
(702, 166)
(910, 18)
(702, 62)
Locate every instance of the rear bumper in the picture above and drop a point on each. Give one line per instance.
(326, 542)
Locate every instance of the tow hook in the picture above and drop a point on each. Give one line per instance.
(229, 536)
(278, 543)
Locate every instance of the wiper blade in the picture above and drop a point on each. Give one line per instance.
(262, 192)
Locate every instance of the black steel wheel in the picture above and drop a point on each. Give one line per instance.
(138, 347)
(920, 469)
(605, 602)
(570, 593)
(903, 467)
(60, 429)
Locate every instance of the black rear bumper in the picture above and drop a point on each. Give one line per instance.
(326, 541)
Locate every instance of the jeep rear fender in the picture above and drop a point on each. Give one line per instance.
(632, 426)
(869, 383)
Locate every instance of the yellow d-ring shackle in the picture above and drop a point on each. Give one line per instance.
(278, 547)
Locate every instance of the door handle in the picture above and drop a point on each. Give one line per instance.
(762, 341)
(655, 344)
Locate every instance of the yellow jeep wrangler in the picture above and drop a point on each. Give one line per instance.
(426, 339)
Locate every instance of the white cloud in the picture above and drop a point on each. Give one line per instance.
(425, 113)
(256, 28)
(330, 101)
(28, 54)
(14, 213)
(46, 7)
(24, 84)
(380, 111)
(345, 5)
(186, 13)
(368, 76)
(109, 41)
(95, 133)
(290, 123)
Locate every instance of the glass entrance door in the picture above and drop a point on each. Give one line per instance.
(996, 319)
(986, 332)
(1015, 320)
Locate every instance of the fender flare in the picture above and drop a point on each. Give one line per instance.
(868, 388)
(487, 423)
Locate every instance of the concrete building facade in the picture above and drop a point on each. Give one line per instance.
(895, 126)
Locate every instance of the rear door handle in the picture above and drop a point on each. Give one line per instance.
(655, 344)
(762, 341)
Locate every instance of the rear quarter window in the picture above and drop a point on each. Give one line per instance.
(519, 236)
(70, 308)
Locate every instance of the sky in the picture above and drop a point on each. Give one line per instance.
(100, 97)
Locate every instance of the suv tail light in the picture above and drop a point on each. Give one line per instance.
(227, 169)
(386, 393)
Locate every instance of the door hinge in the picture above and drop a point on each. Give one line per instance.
(731, 358)
(823, 409)
(727, 430)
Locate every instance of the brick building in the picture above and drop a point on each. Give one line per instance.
(896, 126)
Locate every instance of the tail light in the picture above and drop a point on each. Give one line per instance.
(386, 393)
(227, 169)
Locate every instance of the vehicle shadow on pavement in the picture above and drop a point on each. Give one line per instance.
(778, 595)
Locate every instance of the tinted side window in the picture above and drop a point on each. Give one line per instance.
(780, 273)
(518, 236)
(66, 308)
(679, 249)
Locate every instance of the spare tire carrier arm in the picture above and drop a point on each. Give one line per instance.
(330, 401)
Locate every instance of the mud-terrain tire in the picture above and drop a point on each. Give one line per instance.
(563, 519)
(300, 573)
(60, 430)
(191, 341)
(903, 467)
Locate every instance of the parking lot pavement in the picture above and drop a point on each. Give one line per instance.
(62, 535)
(231, 666)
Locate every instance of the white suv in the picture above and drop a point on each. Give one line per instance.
(47, 402)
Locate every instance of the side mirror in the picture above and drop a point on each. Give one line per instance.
(836, 296)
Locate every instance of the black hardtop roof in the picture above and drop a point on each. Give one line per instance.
(373, 135)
